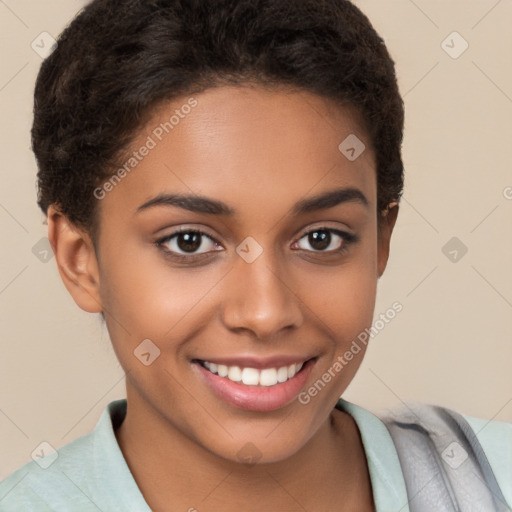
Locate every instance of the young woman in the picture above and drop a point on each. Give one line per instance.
(221, 180)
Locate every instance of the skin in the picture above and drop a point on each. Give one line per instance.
(260, 151)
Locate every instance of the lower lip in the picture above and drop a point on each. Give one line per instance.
(257, 398)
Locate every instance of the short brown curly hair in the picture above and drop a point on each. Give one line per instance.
(118, 60)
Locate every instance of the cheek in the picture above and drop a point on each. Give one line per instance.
(343, 307)
(346, 309)
(155, 301)
(343, 297)
(142, 291)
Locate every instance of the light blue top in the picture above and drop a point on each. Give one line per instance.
(91, 474)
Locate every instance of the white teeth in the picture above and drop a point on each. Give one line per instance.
(268, 377)
(252, 376)
(282, 374)
(222, 370)
(234, 373)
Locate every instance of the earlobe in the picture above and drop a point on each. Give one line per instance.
(386, 225)
(76, 261)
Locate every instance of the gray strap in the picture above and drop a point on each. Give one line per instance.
(445, 468)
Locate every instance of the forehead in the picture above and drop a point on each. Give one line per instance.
(251, 147)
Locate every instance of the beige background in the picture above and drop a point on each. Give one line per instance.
(451, 344)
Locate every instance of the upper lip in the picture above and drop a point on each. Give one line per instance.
(258, 363)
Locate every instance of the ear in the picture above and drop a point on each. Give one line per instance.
(76, 261)
(386, 224)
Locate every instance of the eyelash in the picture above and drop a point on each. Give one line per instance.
(347, 238)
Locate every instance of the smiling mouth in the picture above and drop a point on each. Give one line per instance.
(266, 377)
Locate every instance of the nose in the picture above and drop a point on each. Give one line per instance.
(260, 299)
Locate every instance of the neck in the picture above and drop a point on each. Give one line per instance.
(170, 468)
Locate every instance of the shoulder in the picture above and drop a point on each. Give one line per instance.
(48, 482)
(466, 446)
(84, 473)
(495, 437)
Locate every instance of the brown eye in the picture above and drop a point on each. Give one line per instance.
(319, 240)
(326, 240)
(187, 243)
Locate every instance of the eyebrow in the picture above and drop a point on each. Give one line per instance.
(203, 204)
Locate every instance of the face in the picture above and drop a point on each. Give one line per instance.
(241, 244)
